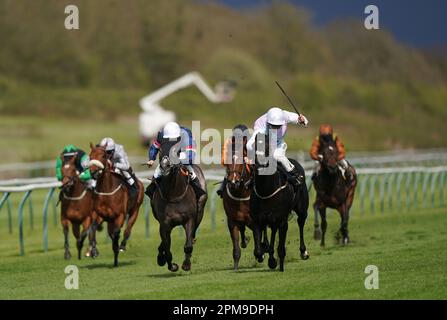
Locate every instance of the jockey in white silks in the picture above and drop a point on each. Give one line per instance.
(120, 161)
(277, 119)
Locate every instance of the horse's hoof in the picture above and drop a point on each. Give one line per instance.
(122, 249)
(161, 260)
(273, 263)
(186, 266)
(67, 255)
(345, 241)
(94, 253)
(304, 255)
(245, 243)
(174, 267)
(322, 245)
(260, 258)
(317, 234)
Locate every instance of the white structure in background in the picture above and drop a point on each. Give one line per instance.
(155, 117)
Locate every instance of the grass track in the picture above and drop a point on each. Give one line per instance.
(408, 248)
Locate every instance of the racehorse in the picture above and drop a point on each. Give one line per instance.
(76, 208)
(272, 201)
(111, 199)
(333, 191)
(175, 203)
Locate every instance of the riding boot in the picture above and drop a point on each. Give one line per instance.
(197, 188)
(151, 188)
(222, 188)
(295, 178)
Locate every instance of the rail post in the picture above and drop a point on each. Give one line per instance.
(45, 219)
(22, 204)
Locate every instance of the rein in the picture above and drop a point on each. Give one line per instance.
(271, 195)
(108, 193)
(75, 198)
(234, 197)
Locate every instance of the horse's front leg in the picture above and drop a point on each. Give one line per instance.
(271, 250)
(189, 230)
(93, 251)
(258, 252)
(85, 231)
(165, 234)
(282, 243)
(317, 229)
(344, 213)
(65, 226)
(302, 216)
(323, 225)
(114, 229)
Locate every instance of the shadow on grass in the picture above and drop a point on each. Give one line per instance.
(109, 265)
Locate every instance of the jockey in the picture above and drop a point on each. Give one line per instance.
(240, 133)
(173, 132)
(120, 162)
(82, 164)
(277, 119)
(326, 134)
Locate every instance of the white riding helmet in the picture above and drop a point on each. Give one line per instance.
(275, 117)
(108, 143)
(171, 130)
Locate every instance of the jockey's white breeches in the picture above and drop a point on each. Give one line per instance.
(280, 156)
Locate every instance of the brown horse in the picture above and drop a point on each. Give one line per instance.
(236, 202)
(111, 199)
(333, 191)
(76, 208)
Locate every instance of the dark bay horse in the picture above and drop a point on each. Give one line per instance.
(76, 209)
(333, 191)
(111, 199)
(272, 201)
(175, 203)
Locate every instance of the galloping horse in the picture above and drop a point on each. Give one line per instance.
(333, 191)
(236, 202)
(272, 201)
(175, 203)
(76, 208)
(111, 199)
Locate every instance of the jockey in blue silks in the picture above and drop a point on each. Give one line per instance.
(186, 154)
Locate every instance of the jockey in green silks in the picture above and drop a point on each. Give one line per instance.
(81, 162)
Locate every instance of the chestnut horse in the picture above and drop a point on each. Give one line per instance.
(111, 199)
(76, 208)
(333, 191)
(236, 202)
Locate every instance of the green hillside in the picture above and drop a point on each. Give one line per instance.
(378, 93)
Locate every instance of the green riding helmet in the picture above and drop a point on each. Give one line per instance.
(81, 162)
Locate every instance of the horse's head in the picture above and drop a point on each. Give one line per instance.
(98, 160)
(237, 172)
(330, 157)
(69, 172)
(169, 155)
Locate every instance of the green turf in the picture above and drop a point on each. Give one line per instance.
(407, 247)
